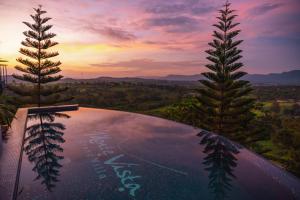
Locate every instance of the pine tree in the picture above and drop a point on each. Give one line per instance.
(225, 103)
(38, 69)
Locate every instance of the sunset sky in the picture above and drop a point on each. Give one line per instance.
(154, 37)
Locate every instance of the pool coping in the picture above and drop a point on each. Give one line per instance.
(11, 163)
(63, 108)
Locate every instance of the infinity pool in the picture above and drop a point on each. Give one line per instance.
(111, 155)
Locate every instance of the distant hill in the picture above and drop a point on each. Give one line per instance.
(285, 78)
(173, 77)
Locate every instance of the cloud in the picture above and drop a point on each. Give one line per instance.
(114, 33)
(162, 9)
(174, 24)
(184, 44)
(178, 16)
(203, 9)
(193, 7)
(149, 64)
(118, 34)
(264, 8)
(171, 21)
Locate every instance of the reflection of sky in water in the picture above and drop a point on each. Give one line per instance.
(114, 155)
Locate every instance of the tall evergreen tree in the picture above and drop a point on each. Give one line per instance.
(224, 98)
(37, 68)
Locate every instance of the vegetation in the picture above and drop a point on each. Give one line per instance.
(224, 102)
(281, 132)
(125, 96)
(38, 69)
(271, 93)
(7, 110)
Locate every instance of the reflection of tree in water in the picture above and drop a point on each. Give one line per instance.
(220, 163)
(42, 143)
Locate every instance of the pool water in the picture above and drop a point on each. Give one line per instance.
(111, 155)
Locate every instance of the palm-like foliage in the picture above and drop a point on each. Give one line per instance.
(37, 68)
(224, 97)
(220, 163)
(42, 145)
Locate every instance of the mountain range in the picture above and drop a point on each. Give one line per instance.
(284, 78)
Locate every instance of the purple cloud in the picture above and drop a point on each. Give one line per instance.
(162, 9)
(203, 9)
(174, 24)
(114, 33)
(193, 7)
(171, 21)
(264, 8)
